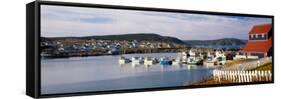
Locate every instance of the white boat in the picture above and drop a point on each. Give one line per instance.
(210, 62)
(215, 60)
(192, 59)
(201, 56)
(137, 60)
(123, 60)
(150, 61)
(220, 57)
(177, 61)
(184, 56)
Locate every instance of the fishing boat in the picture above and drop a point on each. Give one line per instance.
(210, 61)
(165, 61)
(123, 60)
(202, 56)
(137, 60)
(184, 56)
(220, 57)
(192, 59)
(150, 61)
(177, 61)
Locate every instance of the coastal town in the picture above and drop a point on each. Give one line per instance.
(93, 47)
(256, 52)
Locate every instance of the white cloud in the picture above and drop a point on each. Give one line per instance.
(59, 21)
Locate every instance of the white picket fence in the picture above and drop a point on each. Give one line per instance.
(241, 76)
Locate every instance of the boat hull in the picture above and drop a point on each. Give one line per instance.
(165, 62)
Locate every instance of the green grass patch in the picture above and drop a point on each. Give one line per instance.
(267, 66)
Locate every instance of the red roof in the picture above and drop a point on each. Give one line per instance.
(260, 29)
(257, 46)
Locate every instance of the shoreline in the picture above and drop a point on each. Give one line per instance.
(212, 81)
(105, 55)
(106, 52)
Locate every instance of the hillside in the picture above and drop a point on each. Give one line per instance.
(218, 42)
(128, 37)
(225, 42)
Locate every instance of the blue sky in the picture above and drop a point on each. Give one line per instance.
(62, 21)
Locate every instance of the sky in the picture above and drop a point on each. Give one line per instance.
(65, 21)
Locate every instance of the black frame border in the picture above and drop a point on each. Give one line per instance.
(37, 63)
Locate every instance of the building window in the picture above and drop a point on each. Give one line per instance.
(256, 36)
(262, 35)
(252, 36)
(260, 55)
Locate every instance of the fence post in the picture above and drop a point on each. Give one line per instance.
(270, 75)
(259, 75)
(262, 75)
(239, 77)
(250, 76)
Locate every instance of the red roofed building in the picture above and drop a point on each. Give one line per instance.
(259, 44)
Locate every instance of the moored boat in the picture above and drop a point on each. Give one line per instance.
(220, 57)
(177, 61)
(150, 61)
(137, 60)
(165, 61)
(210, 61)
(192, 59)
(123, 60)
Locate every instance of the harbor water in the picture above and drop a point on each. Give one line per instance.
(104, 73)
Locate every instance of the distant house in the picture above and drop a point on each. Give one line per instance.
(259, 44)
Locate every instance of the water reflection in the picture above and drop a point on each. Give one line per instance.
(95, 73)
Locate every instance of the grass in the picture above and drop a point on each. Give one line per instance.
(267, 66)
(233, 62)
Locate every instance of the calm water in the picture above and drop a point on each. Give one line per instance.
(99, 73)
